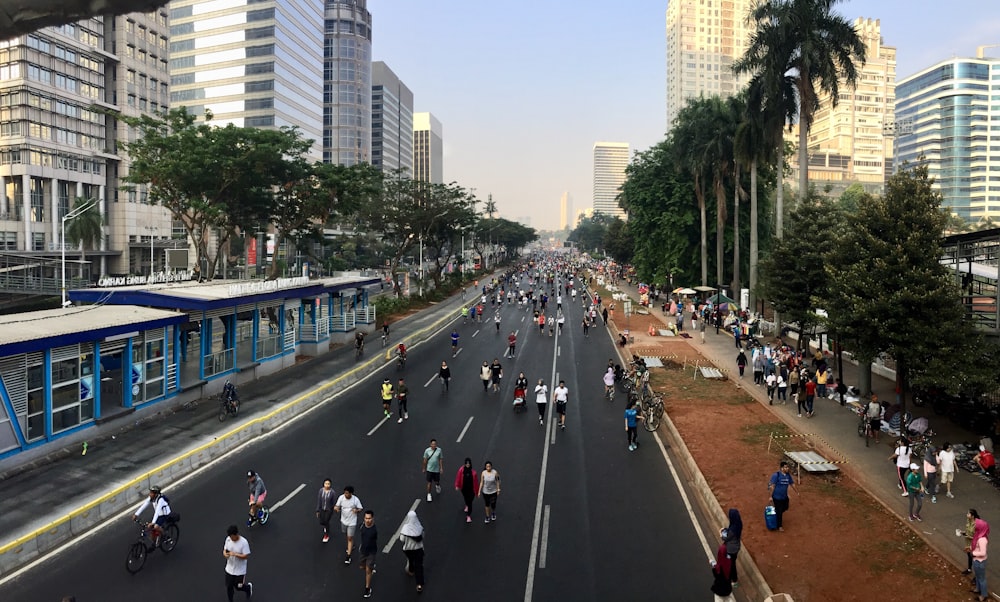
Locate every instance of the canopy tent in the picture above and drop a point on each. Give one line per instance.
(719, 298)
(705, 289)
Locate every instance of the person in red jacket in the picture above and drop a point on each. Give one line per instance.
(467, 481)
(985, 460)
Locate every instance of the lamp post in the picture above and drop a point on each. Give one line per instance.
(420, 269)
(62, 240)
(151, 229)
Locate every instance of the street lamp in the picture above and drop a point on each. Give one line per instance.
(62, 240)
(151, 229)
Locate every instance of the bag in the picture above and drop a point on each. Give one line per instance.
(770, 518)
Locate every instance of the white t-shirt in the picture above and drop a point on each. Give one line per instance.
(903, 456)
(561, 394)
(541, 394)
(609, 378)
(234, 565)
(946, 459)
(347, 506)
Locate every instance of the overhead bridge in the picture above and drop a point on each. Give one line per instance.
(975, 259)
(25, 274)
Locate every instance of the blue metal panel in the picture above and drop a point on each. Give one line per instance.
(97, 380)
(47, 391)
(127, 374)
(255, 334)
(9, 408)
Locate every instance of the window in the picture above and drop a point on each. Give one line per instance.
(256, 68)
(260, 15)
(187, 78)
(181, 29)
(256, 122)
(182, 45)
(260, 86)
(37, 241)
(258, 103)
(266, 50)
(36, 400)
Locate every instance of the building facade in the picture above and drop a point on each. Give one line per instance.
(853, 142)
(347, 82)
(392, 121)
(567, 218)
(428, 149)
(704, 38)
(610, 161)
(945, 120)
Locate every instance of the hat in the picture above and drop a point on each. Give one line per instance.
(913, 466)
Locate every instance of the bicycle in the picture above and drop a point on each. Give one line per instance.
(652, 412)
(359, 348)
(144, 545)
(260, 518)
(400, 361)
(385, 338)
(230, 402)
(864, 426)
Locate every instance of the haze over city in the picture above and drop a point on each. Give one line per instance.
(524, 90)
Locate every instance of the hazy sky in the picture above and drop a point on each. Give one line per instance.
(523, 88)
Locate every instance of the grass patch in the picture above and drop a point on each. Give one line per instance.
(758, 434)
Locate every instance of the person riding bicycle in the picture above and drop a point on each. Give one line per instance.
(258, 492)
(385, 329)
(359, 340)
(401, 352)
(161, 510)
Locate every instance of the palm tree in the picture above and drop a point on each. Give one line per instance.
(688, 136)
(86, 229)
(805, 40)
(719, 156)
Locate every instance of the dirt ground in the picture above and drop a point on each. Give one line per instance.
(838, 543)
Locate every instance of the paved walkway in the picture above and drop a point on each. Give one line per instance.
(835, 428)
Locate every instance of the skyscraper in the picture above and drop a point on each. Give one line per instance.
(252, 64)
(943, 121)
(347, 82)
(428, 149)
(849, 143)
(610, 161)
(392, 120)
(704, 38)
(566, 216)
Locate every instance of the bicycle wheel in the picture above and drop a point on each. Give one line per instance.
(136, 557)
(265, 514)
(168, 541)
(236, 408)
(223, 413)
(862, 429)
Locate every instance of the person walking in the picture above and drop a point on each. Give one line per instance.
(348, 507)
(741, 363)
(496, 373)
(931, 471)
(401, 392)
(489, 487)
(777, 487)
(793, 386)
(444, 373)
(368, 534)
(484, 375)
(324, 507)
(946, 462)
(586, 327)
(411, 535)
(970, 529)
(980, 541)
(560, 321)
(810, 388)
(541, 322)
(702, 324)
(758, 367)
(722, 579)
(236, 550)
(902, 457)
(560, 395)
(915, 487)
(782, 376)
(511, 344)
(387, 394)
(454, 342)
(732, 538)
(467, 482)
(771, 382)
(541, 399)
(631, 433)
(432, 466)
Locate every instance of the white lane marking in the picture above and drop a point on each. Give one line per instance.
(545, 538)
(687, 502)
(285, 499)
(428, 383)
(517, 332)
(380, 423)
(462, 434)
(474, 334)
(554, 427)
(522, 318)
(529, 586)
(395, 535)
(559, 351)
(457, 352)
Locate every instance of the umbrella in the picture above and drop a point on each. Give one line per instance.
(704, 289)
(685, 291)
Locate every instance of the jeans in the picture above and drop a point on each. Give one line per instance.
(916, 497)
(979, 570)
(932, 484)
(781, 393)
(821, 390)
(780, 507)
(809, 403)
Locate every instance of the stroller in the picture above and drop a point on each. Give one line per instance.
(519, 394)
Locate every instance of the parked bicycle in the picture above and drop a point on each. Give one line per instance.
(864, 425)
(229, 400)
(166, 542)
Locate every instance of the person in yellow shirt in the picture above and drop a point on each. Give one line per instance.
(822, 376)
(387, 395)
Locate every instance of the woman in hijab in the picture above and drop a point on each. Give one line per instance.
(411, 535)
(980, 539)
(931, 471)
(722, 586)
(467, 482)
(731, 537)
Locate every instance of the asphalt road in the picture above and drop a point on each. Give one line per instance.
(579, 518)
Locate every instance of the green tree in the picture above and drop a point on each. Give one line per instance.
(618, 241)
(690, 143)
(86, 229)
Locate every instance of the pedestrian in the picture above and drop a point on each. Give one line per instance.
(511, 344)
(931, 471)
(444, 373)
(604, 316)
(541, 323)
(841, 390)
(631, 433)
(368, 534)
(970, 529)
(387, 394)
(980, 540)
(782, 385)
(348, 507)
(810, 388)
(489, 487)
(484, 375)
(772, 385)
(496, 373)
(758, 367)
(541, 399)
(411, 535)
(741, 362)
(401, 392)
(902, 457)
(778, 486)
(454, 342)
(722, 584)
(915, 487)
(701, 328)
(946, 462)
(236, 550)
(432, 466)
(552, 325)
(732, 537)
(324, 507)
(560, 395)
(467, 481)
(793, 386)
(586, 327)
(560, 321)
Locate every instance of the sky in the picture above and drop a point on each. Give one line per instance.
(524, 88)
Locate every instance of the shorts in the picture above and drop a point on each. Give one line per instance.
(561, 407)
(876, 424)
(161, 520)
(948, 477)
(367, 561)
(490, 500)
(259, 499)
(433, 477)
(349, 529)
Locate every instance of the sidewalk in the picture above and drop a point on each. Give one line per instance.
(39, 496)
(836, 437)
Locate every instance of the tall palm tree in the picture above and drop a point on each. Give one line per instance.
(719, 156)
(817, 48)
(86, 229)
(688, 137)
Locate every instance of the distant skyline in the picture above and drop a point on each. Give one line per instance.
(524, 89)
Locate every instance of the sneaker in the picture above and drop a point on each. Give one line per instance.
(347, 559)
(406, 415)
(562, 426)
(933, 499)
(248, 586)
(326, 538)
(468, 519)
(429, 497)
(911, 518)
(487, 521)
(437, 488)
(906, 494)
(368, 593)
(539, 422)
(400, 421)
(493, 517)
(800, 415)
(917, 516)
(949, 495)
(249, 523)
(465, 510)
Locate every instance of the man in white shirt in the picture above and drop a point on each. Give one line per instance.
(236, 550)
(348, 506)
(560, 395)
(161, 510)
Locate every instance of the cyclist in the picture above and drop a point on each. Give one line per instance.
(454, 342)
(385, 331)
(387, 395)
(609, 383)
(161, 510)
(258, 492)
(465, 315)
(359, 341)
(401, 352)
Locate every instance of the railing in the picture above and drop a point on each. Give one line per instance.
(308, 332)
(268, 346)
(172, 381)
(290, 338)
(38, 285)
(366, 315)
(342, 322)
(220, 361)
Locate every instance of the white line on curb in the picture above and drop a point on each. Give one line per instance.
(687, 502)
(459, 440)
(395, 536)
(288, 497)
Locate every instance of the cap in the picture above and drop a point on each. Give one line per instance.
(251, 473)
(913, 466)
(154, 489)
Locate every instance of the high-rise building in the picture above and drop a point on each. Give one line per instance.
(566, 216)
(347, 82)
(392, 120)
(252, 64)
(849, 143)
(55, 148)
(943, 121)
(704, 38)
(428, 149)
(610, 161)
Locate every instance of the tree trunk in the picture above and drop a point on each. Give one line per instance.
(736, 230)
(720, 231)
(704, 235)
(803, 157)
(754, 251)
